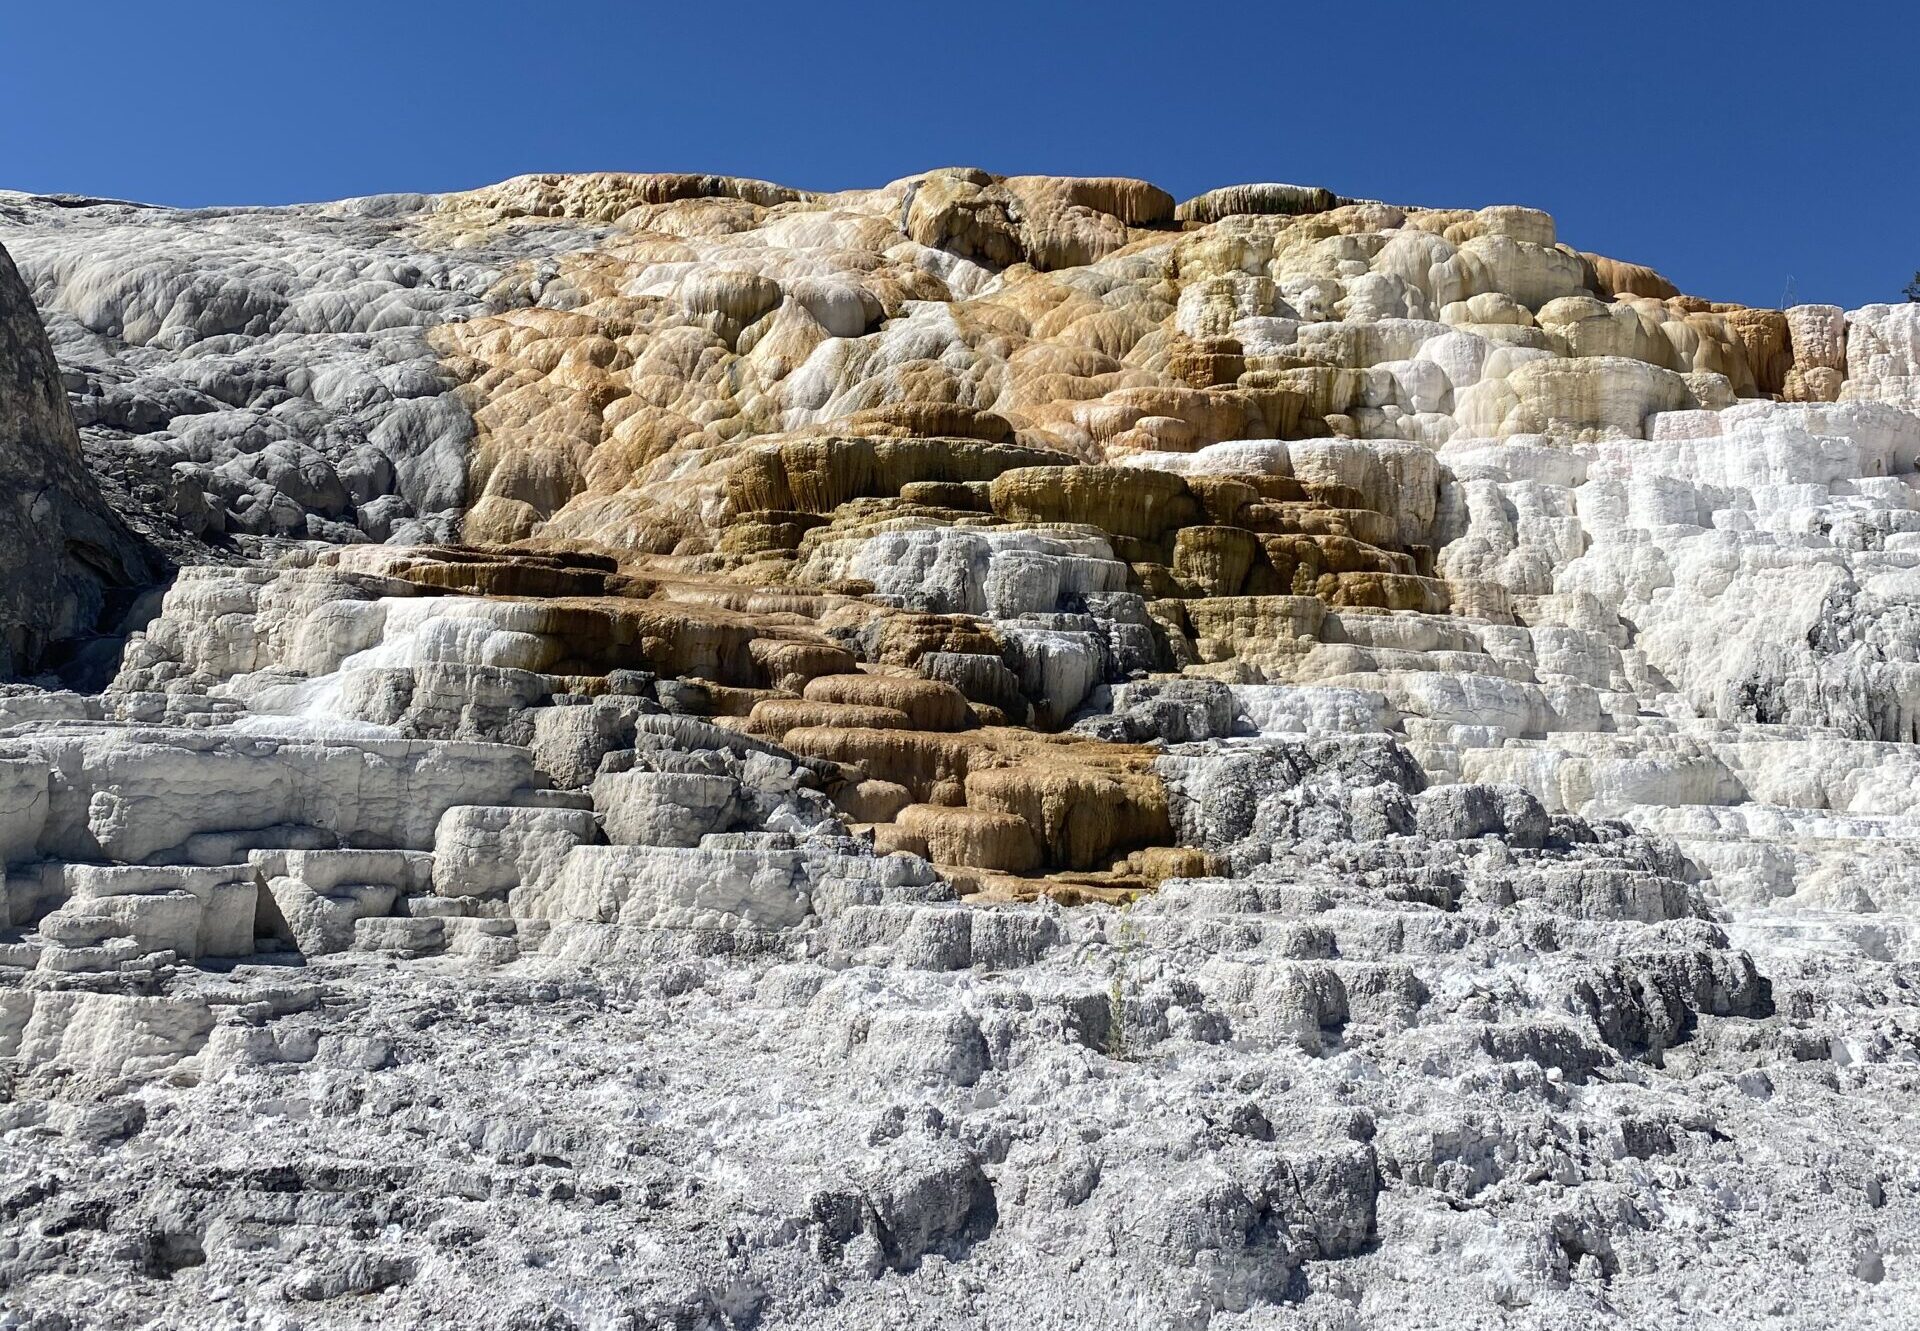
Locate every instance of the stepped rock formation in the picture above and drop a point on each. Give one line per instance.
(990, 751)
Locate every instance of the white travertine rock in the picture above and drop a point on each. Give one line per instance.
(1488, 678)
(23, 808)
(665, 808)
(105, 1034)
(189, 911)
(673, 888)
(317, 896)
(1057, 668)
(1258, 457)
(1275, 709)
(1004, 573)
(1600, 397)
(487, 851)
(1883, 355)
(1819, 336)
(138, 794)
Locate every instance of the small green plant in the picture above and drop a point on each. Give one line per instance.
(1912, 289)
(1126, 935)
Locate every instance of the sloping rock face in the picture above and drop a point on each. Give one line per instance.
(62, 549)
(993, 750)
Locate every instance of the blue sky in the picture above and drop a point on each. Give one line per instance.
(1738, 148)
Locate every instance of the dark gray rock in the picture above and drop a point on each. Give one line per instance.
(63, 551)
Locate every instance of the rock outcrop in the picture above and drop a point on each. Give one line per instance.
(995, 749)
(63, 551)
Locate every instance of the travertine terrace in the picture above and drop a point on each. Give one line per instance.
(622, 751)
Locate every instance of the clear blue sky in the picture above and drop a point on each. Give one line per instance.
(1734, 147)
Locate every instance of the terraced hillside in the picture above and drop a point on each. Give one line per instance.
(987, 751)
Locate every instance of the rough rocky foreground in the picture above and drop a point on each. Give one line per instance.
(992, 752)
